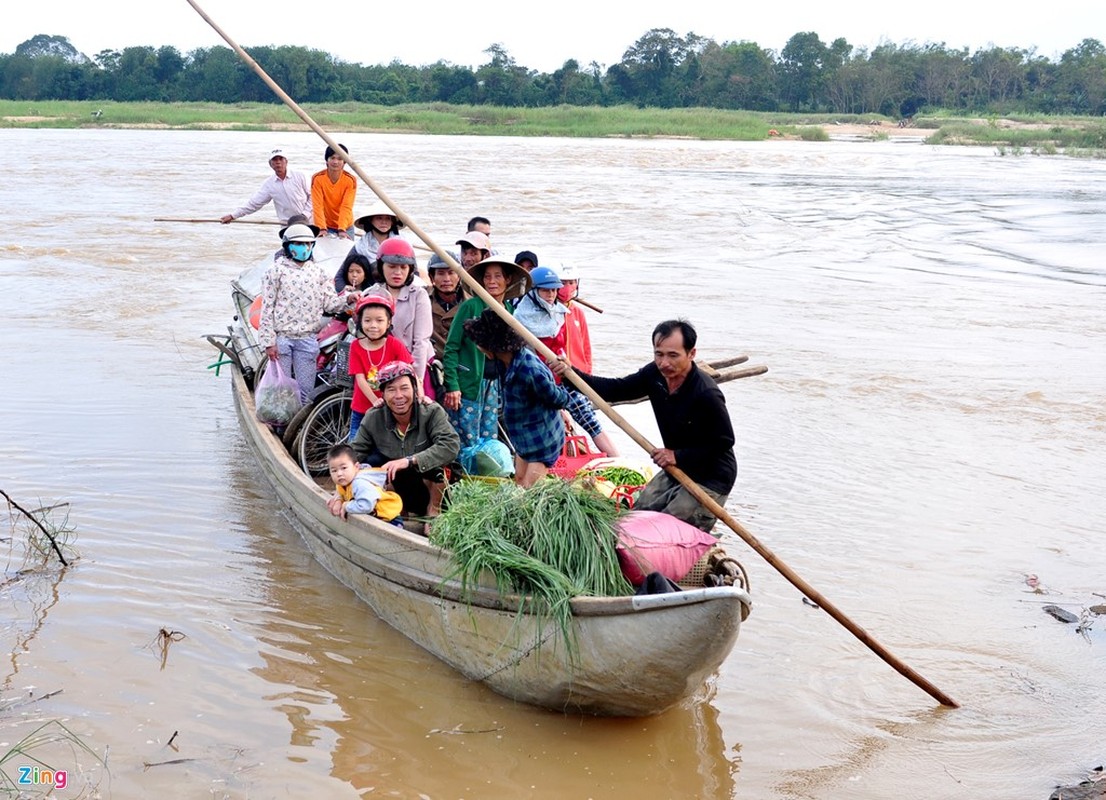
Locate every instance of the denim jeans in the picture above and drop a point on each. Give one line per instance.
(355, 418)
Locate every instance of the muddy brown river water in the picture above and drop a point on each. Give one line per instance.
(931, 431)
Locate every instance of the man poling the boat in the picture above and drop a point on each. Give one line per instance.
(694, 424)
(289, 192)
(685, 676)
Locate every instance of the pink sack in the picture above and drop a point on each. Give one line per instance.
(650, 541)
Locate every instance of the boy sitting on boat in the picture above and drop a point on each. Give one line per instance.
(357, 489)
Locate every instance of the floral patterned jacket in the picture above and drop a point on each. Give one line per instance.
(294, 297)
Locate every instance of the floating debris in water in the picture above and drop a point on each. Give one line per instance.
(1061, 614)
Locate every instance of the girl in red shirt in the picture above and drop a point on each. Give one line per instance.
(374, 347)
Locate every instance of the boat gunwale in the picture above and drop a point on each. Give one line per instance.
(442, 585)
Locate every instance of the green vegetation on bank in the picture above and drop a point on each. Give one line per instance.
(1034, 133)
(662, 69)
(432, 118)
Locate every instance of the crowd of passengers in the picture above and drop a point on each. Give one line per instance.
(435, 370)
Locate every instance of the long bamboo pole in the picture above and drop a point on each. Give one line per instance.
(232, 222)
(599, 402)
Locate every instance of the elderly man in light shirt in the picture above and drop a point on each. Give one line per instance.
(289, 191)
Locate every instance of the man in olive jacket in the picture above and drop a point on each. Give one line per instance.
(412, 441)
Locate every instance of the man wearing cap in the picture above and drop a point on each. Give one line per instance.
(446, 295)
(527, 259)
(475, 247)
(289, 191)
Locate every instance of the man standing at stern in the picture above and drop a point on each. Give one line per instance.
(289, 191)
(694, 424)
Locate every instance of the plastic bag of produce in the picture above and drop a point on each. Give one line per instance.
(277, 396)
(488, 457)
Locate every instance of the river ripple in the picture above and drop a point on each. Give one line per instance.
(931, 431)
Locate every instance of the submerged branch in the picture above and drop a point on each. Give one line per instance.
(41, 527)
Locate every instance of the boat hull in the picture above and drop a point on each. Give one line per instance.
(633, 656)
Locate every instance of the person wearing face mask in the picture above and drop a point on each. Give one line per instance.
(577, 337)
(295, 293)
(541, 312)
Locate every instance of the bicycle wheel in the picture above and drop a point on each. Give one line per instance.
(326, 426)
(291, 432)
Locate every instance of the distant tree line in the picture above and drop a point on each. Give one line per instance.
(661, 69)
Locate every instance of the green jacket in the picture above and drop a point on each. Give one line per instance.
(430, 438)
(464, 364)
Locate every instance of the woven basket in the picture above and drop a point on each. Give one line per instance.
(694, 577)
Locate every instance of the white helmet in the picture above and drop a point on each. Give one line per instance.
(566, 272)
(298, 233)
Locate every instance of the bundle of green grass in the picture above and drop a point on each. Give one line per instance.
(550, 543)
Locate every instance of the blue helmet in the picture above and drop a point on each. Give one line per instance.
(545, 278)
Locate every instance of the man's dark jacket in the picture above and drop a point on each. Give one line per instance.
(693, 421)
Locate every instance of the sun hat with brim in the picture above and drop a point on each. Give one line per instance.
(315, 229)
(377, 209)
(518, 279)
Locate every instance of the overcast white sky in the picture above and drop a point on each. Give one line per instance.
(542, 35)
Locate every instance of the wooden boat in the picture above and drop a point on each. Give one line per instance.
(635, 656)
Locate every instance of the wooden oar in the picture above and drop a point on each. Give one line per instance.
(586, 304)
(599, 402)
(232, 222)
(734, 374)
(728, 362)
(717, 377)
